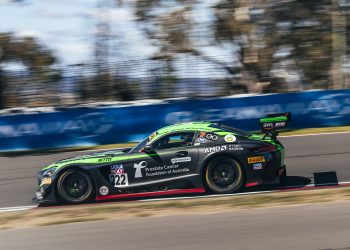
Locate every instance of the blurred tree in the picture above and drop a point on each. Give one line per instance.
(169, 29)
(272, 33)
(29, 52)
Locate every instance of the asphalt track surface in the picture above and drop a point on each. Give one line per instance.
(324, 226)
(318, 159)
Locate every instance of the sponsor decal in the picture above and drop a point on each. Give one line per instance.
(46, 181)
(212, 137)
(230, 138)
(138, 167)
(257, 166)
(151, 137)
(117, 169)
(280, 124)
(202, 140)
(268, 126)
(231, 147)
(235, 147)
(118, 177)
(256, 159)
(182, 159)
(104, 190)
(165, 170)
(105, 160)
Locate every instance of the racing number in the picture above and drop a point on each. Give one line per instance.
(119, 180)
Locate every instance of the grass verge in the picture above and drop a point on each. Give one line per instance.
(93, 212)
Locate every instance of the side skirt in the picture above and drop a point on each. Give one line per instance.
(150, 194)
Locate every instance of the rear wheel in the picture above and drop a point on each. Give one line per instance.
(75, 186)
(223, 175)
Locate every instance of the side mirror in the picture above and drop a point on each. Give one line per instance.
(148, 149)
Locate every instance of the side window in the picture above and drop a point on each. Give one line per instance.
(177, 140)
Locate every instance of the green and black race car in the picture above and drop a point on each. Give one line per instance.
(191, 157)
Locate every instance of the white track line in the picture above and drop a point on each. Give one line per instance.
(15, 209)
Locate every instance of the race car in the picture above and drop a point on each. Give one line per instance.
(193, 157)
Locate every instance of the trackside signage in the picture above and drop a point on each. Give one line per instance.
(95, 126)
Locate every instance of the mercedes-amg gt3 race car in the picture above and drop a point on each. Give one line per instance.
(191, 157)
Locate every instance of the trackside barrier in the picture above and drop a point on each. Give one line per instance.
(116, 124)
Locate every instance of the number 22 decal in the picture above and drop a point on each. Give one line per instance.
(119, 180)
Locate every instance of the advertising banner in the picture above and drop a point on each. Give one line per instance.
(109, 125)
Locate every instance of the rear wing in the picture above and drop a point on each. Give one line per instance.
(274, 122)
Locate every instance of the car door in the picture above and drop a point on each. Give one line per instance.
(174, 157)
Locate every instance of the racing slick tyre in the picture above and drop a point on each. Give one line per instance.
(223, 175)
(75, 186)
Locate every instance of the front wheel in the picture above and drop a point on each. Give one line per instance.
(74, 186)
(223, 175)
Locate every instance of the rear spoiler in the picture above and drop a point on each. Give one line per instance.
(274, 122)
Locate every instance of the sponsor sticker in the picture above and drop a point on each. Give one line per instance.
(151, 137)
(212, 137)
(46, 181)
(104, 190)
(280, 124)
(182, 159)
(165, 170)
(230, 147)
(230, 138)
(105, 160)
(117, 169)
(171, 169)
(268, 126)
(202, 140)
(256, 159)
(118, 177)
(257, 166)
(138, 167)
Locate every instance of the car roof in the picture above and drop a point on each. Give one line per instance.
(188, 126)
(193, 126)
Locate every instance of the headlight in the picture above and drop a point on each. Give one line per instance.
(45, 176)
(48, 172)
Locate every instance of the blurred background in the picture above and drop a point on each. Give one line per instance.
(69, 52)
(75, 53)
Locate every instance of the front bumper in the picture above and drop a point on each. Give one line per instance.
(45, 194)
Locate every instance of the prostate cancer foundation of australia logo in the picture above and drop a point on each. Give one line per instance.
(139, 167)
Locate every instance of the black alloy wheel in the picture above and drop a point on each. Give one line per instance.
(223, 175)
(75, 186)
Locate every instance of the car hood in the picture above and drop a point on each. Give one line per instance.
(102, 154)
(97, 157)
